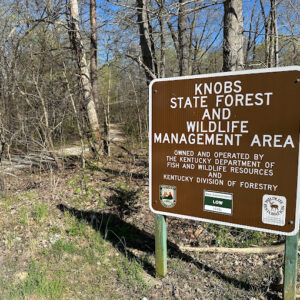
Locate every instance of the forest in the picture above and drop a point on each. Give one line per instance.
(74, 122)
(68, 70)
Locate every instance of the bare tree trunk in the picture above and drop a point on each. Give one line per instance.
(93, 55)
(148, 55)
(137, 110)
(46, 128)
(174, 38)
(256, 33)
(2, 140)
(274, 32)
(162, 65)
(271, 34)
(80, 131)
(106, 106)
(271, 41)
(89, 104)
(183, 39)
(106, 146)
(191, 48)
(233, 58)
(250, 41)
(276, 43)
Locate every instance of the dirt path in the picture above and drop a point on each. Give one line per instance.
(18, 162)
(115, 133)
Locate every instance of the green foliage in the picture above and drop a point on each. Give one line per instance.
(40, 212)
(7, 200)
(77, 228)
(126, 199)
(84, 190)
(238, 238)
(23, 216)
(89, 255)
(211, 62)
(130, 273)
(63, 246)
(97, 242)
(38, 284)
(101, 203)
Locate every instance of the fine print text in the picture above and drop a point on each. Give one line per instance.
(216, 163)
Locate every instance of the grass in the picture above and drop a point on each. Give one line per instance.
(8, 200)
(238, 238)
(62, 246)
(40, 212)
(79, 250)
(55, 255)
(36, 282)
(76, 227)
(130, 273)
(23, 216)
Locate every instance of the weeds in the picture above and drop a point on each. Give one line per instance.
(40, 212)
(23, 216)
(63, 246)
(7, 200)
(236, 237)
(77, 228)
(84, 191)
(125, 199)
(36, 282)
(130, 273)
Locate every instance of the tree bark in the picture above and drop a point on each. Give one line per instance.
(191, 48)
(183, 39)
(93, 55)
(233, 58)
(162, 65)
(271, 34)
(79, 125)
(106, 143)
(145, 40)
(274, 59)
(174, 38)
(276, 42)
(89, 104)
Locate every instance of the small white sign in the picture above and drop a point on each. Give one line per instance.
(274, 210)
(218, 202)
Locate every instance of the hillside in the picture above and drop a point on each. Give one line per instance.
(89, 234)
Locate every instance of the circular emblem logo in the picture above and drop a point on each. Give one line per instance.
(274, 210)
(274, 206)
(167, 195)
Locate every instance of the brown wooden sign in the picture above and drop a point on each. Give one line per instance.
(224, 148)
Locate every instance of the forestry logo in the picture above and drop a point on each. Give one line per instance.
(274, 210)
(167, 195)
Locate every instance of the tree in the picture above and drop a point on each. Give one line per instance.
(271, 34)
(93, 52)
(233, 58)
(183, 40)
(148, 62)
(89, 104)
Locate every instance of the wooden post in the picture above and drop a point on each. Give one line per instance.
(290, 267)
(160, 245)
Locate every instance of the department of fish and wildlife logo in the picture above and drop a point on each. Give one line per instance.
(167, 195)
(274, 210)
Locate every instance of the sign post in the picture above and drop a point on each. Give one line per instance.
(160, 245)
(290, 267)
(224, 148)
